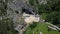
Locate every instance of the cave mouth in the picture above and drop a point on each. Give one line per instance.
(26, 11)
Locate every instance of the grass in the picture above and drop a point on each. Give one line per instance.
(41, 27)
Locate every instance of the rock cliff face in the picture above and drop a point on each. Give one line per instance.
(14, 11)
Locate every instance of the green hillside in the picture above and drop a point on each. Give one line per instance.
(41, 27)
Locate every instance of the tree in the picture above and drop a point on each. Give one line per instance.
(54, 18)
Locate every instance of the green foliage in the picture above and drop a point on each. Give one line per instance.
(6, 25)
(54, 18)
(52, 10)
(3, 8)
(41, 27)
(32, 26)
(54, 15)
(53, 5)
(31, 2)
